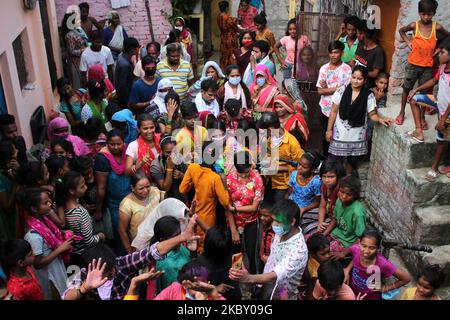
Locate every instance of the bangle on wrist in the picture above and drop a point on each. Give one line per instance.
(169, 170)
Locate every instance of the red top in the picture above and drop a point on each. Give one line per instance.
(330, 199)
(25, 288)
(266, 242)
(246, 18)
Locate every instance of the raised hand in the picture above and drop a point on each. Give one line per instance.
(95, 278)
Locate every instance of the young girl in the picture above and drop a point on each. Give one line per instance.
(365, 259)
(430, 279)
(68, 194)
(235, 88)
(62, 148)
(71, 101)
(289, 43)
(192, 285)
(93, 136)
(135, 207)
(331, 172)
(57, 166)
(17, 257)
(352, 106)
(165, 228)
(305, 191)
(96, 105)
(349, 216)
(141, 152)
(50, 246)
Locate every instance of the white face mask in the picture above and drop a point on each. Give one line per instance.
(179, 28)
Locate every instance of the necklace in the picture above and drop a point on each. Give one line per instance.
(301, 181)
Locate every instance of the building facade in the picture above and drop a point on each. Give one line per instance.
(30, 60)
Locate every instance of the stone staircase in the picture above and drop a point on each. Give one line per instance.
(401, 202)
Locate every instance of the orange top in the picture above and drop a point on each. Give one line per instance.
(423, 48)
(209, 189)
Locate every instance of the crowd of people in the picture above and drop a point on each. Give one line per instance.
(161, 186)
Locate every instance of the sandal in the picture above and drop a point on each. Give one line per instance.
(399, 120)
(424, 125)
(411, 134)
(431, 175)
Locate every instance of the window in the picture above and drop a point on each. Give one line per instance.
(21, 66)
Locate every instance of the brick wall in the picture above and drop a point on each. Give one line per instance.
(133, 18)
(409, 13)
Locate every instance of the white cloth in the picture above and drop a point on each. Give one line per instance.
(248, 74)
(158, 100)
(133, 148)
(117, 39)
(116, 4)
(288, 260)
(103, 57)
(169, 207)
(240, 94)
(202, 106)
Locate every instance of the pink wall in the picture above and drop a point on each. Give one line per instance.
(133, 18)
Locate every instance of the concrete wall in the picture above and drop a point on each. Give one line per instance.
(22, 103)
(133, 18)
(409, 13)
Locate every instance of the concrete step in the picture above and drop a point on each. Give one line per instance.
(416, 155)
(434, 225)
(425, 193)
(440, 256)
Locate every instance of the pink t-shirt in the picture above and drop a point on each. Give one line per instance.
(344, 293)
(360, 274)
(289, 43)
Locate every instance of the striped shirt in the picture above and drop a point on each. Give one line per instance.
(80, 222)
(179, 77)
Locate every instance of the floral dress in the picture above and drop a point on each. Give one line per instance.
(244, 193)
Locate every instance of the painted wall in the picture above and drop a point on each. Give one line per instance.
(22, 103)
(133, 18)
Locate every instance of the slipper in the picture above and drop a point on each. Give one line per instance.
(431, 175)
(424, 125)
(399, 120)
(411, 135)
(444, 170)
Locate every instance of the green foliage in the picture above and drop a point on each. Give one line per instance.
(182, 8)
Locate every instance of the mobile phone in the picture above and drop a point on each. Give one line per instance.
(236, 262)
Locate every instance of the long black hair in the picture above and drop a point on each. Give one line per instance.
(69, 182)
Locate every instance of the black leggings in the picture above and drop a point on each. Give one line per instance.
(248, 246)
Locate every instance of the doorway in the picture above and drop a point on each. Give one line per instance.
(48, 41)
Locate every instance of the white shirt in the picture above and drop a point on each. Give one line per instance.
(103, 57)
(202, 106)
(132, 150)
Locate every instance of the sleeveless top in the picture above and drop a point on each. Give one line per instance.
(423, 48)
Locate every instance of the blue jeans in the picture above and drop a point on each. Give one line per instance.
(287, 72)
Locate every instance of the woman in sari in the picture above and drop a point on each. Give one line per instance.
(263, 90)
(114, 34)
(76, 41)
(112, 183)
(228, 38)
(292, 117)
(242, 55)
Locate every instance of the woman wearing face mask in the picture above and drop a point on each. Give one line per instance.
(288, 257)
(186, 39)
(263, 89)
(235, 88)
(242, 55)
(144, 89)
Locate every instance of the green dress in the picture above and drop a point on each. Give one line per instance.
(172, 264)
